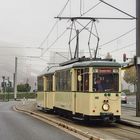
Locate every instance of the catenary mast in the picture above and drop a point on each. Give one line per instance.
(138, 57)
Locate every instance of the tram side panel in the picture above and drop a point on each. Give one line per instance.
(83, 103)
(40, 94)
(50, 100)
(45, 95)
(50, 91)
(63, 101)
(63, 95)
(40, 99)
(82, 82)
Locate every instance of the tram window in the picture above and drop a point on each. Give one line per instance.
(57, 75)
(105, 82)
(49, 82)
(83, 79)
(63, 80)
(40, 85)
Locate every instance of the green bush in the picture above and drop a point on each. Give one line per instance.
(23, 87)
(127, 92)
(21, 95)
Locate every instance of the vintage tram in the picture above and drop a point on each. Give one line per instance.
(84, 89)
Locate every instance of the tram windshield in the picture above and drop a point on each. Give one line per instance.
(106, 82)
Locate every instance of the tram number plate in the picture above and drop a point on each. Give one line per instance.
(96, 97)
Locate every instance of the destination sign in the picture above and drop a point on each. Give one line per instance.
(105, 71)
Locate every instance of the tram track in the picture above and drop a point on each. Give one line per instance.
(128, 129)
(129, 107)
(112, 131)
(106, 132)
(124, 132)
(117, 131)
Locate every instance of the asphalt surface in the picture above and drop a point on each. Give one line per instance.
(108, 131)
(131, 102)
(18, 126)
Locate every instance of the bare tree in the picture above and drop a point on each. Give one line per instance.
(130, 76)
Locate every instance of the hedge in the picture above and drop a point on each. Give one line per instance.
(5, 96)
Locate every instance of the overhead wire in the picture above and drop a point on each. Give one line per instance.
(83, 6)
(60, 13)
(42, 43)
(91, 8)
(63, 8)
(62, 55)
(53, 43)
(129, 45)
(101, 1)
(80, 7)
(18, 47)
(70, 7)
(108, 42)
(117, 9)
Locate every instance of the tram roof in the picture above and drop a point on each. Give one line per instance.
(82, 64)
(97, 64)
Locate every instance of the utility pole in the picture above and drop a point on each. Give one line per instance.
(138, 57)
(15, 80)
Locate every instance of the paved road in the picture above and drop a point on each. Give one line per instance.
(131, 101)
(17, 126)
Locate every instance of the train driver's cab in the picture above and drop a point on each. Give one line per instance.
(105, 81)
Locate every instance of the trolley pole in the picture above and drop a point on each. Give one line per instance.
(15, 80)
(138, 57)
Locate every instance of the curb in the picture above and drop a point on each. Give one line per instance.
(129, 123)
(63, 125)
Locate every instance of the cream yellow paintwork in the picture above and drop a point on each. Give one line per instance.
(85, 103)
(50, 100)
(82, 103)
(54, 86)
(41, 99)
(120, 80)
(90, 79)
(97, 100)
(45, 99)
(79, 102)
(64, 100)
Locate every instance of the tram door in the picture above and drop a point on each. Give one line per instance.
(83, 80)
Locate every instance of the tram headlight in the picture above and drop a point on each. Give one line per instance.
(105, 107)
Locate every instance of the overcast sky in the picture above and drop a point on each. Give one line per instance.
(25, 24)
